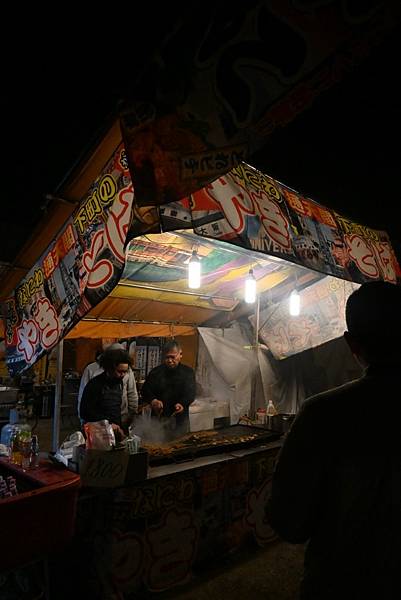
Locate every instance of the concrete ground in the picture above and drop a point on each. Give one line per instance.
(271, 573)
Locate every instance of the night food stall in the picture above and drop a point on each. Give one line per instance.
(210, 491)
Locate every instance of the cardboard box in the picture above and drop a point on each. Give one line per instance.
(114, 468)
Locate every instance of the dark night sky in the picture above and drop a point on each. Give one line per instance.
(343, 151)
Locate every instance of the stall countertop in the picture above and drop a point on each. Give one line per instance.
(46, 474)
(203, 461)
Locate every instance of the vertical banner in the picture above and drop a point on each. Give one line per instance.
(77, 270)
(322, 318)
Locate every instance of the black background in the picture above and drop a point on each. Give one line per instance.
(62, 82)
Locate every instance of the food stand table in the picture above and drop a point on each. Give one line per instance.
(149, 536)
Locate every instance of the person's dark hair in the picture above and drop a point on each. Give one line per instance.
(113, 357)
(373, 316)
(171, 345)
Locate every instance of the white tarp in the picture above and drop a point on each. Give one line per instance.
(230, 369)
(283, 385)
(227, 369)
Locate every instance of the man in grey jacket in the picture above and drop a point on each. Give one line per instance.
(129, 404)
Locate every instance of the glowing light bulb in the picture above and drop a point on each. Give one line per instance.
(194, 271)
(250, 288)
(295, 303)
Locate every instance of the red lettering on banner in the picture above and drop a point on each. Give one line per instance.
(385, 259)
(323, 216)
(235, 206)
(242, 204)
(113, 236)
(60, 249)
(68, 238)
(296, 203)
(46, 318)
(362, 255)
(100, 271)
(48, 265)
(56, 257)
(27, 335)
(118, 222)
(273, 219)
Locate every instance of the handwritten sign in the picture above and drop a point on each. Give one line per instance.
(99, 468)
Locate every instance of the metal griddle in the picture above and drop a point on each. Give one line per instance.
(226, 439)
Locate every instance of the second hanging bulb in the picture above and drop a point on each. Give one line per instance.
(250, 288)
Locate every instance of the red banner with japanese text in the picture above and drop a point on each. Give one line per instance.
(250, 209)
(78, 269)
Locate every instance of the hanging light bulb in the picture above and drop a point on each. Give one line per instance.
(250, 288)
(295, 303)
(194, 271)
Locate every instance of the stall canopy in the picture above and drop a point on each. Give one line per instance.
(152, 296)
(235, 222)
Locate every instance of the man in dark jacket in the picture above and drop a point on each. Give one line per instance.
(102, 395)
(170, 388)
(337, 483)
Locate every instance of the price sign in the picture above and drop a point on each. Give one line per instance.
(99, 468)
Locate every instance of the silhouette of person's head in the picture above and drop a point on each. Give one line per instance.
(373, 316)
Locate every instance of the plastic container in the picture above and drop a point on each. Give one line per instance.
(8, 429)
(271, 409)
(16, 423)
(261, 415)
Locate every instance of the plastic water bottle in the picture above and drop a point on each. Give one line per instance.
(271, 413)
(271, 409)
(8, 429)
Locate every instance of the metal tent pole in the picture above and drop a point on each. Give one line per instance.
(57, 397)
(252, 407)
(257, 312)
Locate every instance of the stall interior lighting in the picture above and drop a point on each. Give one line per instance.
(250, 288)
(295, 303)
(194, 271)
